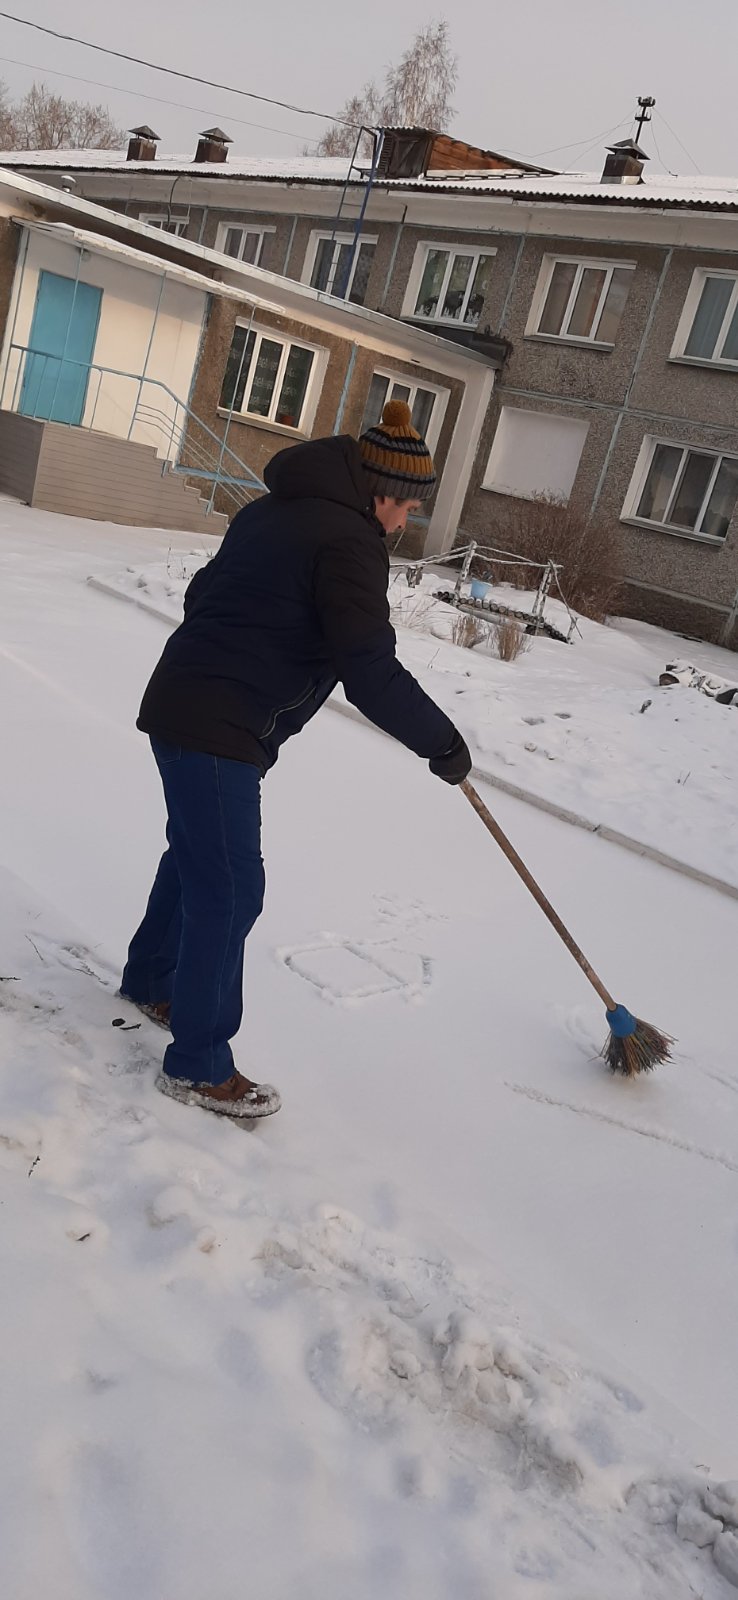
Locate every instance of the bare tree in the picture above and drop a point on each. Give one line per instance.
(417, 92)
(361, 111)
(6, 118)
(45, 121)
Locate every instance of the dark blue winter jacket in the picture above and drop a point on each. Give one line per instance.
(294, 602)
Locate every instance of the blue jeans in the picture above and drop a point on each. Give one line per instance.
(207, 895)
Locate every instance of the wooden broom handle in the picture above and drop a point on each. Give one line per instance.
(508, 849)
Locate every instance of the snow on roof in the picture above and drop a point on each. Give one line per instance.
(656, 189)
(330, 169)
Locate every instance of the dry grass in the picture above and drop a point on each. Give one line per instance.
(589, 554)
(466, 631)
(412, 611)
(510, 639)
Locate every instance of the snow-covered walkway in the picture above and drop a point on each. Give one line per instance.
(422, 1333)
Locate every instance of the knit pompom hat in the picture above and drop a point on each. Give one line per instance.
(397, 462)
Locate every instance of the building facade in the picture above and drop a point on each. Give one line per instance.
(130, 358)
(606, 307)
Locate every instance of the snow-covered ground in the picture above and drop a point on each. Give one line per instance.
(460, 1322)
(583, 725)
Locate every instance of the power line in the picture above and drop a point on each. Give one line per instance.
(138, 94)
(656, 148)
(173, 72)
(681, 145)
(596, 141)
(577, 143)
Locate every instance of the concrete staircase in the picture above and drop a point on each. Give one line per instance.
(80, 473)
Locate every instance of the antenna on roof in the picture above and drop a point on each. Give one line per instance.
(645, 102)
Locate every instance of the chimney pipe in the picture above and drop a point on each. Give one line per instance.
(624, 163)
(142, 144)
(212, 145)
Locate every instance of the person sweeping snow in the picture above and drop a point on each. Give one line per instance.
(294, 602)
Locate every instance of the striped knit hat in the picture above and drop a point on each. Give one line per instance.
(397, 462)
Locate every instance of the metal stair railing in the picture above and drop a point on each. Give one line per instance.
(184, 443)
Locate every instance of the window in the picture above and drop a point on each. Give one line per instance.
(448, 285)
(268, 376)
(337, 265)
(535, 454)
(178, 225)
(241, 242)
(689, 491)
(708, 330)
(582, 301)
(427, 405)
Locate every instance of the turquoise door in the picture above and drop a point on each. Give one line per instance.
(61, 345)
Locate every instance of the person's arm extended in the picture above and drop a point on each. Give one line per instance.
(351, 599)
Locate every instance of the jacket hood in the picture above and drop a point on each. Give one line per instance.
(323, 469)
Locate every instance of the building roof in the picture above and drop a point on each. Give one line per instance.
(328, 169)
(98, 226)
(657, 190)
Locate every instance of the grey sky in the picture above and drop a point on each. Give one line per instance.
(533, 76)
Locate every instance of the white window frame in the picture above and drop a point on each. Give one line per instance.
(543, 285)
(315, 381)
(245, 229)
(339, 239)
(452, 249)
(691, 305)
(638, 482)
(176, 226)
(413, 384)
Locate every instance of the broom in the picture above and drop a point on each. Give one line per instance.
(633, 1046)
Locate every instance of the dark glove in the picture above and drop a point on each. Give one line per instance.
(455, 764)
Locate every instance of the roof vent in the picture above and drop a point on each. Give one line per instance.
(624, 163)
(405, 152)
(142, 144)
(212, 145)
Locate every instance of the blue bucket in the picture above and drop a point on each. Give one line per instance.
(479, 590)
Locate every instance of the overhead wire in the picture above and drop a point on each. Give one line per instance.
(175, 72)
(595, 142)
(681, 144)
(577, 143)
(140, 94)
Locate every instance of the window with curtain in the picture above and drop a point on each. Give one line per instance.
(268, 376)
(709, 327)
(688, 490)
(452, 286)
(425, 404)
(581, 301)
(340, 266)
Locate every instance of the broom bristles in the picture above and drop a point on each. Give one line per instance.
(640, 1051)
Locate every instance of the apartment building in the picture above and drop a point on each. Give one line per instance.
(604, 304)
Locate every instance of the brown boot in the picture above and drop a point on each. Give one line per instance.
(159, 1012)
(237, 1097)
